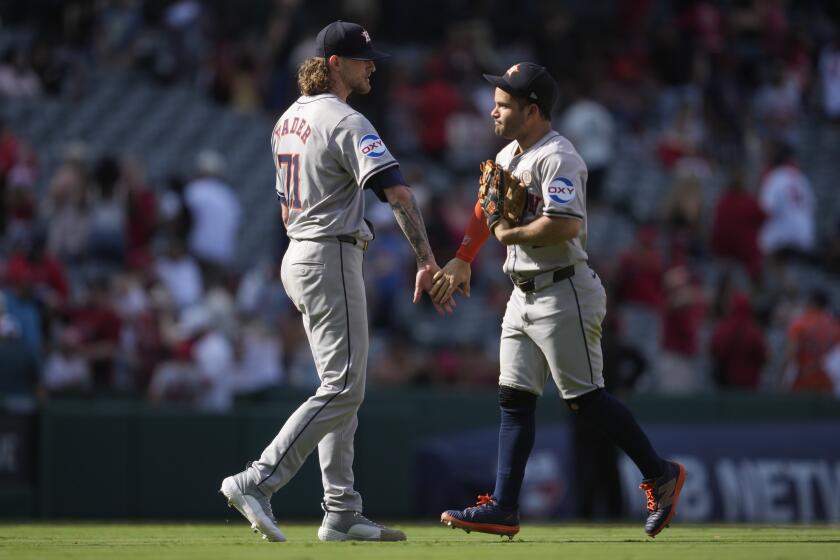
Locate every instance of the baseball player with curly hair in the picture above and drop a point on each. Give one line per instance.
(552, 324)
(326, 154)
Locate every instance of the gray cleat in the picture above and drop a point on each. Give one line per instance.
(255, 506)
(352, 525)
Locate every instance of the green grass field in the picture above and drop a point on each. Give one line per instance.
(120, 541)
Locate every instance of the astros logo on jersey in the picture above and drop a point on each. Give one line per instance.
(561, 190)
(372, 146)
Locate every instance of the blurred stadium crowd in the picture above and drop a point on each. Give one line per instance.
(711, 131)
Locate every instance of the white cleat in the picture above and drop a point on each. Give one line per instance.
(253, 505)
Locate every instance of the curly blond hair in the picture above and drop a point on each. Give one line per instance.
(313, 76)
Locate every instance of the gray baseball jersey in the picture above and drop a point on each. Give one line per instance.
(324, 152)
(556, 179)
(552, 328)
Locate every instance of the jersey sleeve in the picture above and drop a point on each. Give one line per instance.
(563, 183)
(359, 148)
(383, 179)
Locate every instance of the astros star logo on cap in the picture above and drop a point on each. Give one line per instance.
(366, 35)
(512, 69)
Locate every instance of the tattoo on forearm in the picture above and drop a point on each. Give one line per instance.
(411, 222)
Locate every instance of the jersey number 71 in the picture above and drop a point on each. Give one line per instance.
(289, 166)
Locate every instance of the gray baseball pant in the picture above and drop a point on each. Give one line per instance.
(323, 278)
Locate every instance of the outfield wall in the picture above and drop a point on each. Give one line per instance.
(415, 451)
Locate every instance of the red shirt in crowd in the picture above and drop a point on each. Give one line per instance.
(45, 273)
(437, 100)
(738, 347)
(142, 221)
(738, 219)
(683, 315)
(639, 277)
(8, 151)
(97, 324)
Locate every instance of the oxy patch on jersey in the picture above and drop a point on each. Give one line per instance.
(372, 146)
(561, 190)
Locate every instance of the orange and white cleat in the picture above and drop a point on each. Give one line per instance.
(663, 493)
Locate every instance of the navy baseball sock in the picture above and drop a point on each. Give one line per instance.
(516, 439)
(609, 415)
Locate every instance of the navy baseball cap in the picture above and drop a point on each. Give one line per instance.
(530, 81)
(347, 39)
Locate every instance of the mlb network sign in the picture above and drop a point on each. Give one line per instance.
(756, 473)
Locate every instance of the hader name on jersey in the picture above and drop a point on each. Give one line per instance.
(298, 127)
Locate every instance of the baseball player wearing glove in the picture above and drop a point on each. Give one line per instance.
(552, 324)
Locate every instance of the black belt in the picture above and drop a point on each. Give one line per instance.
(362, 243)
(529, 285)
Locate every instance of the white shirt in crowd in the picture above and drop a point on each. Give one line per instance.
(18, 83)
(216, 214)
(214, 359)
(65, 371)
(788, 200)
(182, 278)
(259, 367)
(591, 128)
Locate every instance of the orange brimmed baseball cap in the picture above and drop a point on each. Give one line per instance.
(346, 39)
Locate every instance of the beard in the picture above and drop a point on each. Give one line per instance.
(507, 130)
(360, 85)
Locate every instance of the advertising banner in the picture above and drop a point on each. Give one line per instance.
(762, 473)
